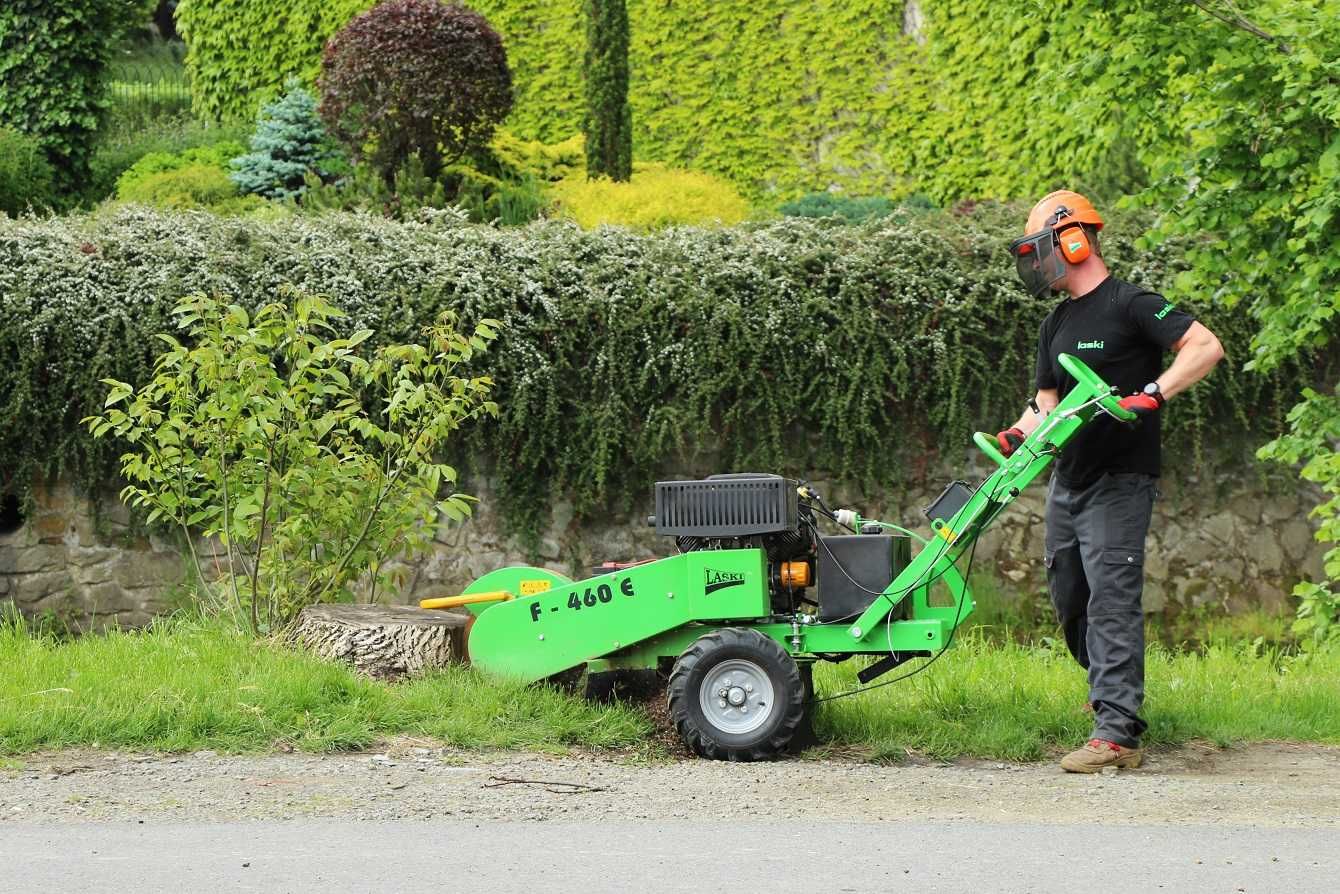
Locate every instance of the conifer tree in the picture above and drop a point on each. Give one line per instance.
(608, 122)
(289, 141)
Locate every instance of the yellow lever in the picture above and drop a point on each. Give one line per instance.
(453, 601)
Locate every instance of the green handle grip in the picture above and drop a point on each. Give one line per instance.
(1080, 372)
(987, 444)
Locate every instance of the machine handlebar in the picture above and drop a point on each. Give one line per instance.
(1094, 390)
(1081, 373)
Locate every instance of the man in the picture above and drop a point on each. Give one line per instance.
(1102, 488)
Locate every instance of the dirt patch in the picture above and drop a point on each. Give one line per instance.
(1273, 784)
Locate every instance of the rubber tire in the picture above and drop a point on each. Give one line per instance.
(805, 736)
(768, 741)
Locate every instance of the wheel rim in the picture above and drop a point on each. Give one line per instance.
(736, 696)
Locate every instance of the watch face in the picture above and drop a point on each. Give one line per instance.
(1152, 388)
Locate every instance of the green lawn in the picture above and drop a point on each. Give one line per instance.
(187, 685)
(190, 685)
(1011, 701)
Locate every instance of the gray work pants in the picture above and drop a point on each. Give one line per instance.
(1095, 571)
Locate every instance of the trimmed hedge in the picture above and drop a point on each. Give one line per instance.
(798, 345)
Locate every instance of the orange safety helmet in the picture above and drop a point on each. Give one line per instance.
(1056, 209)
(1052, 235)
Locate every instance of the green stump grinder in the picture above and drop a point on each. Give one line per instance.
(756, 594)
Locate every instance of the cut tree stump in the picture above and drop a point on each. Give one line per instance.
(383, 641)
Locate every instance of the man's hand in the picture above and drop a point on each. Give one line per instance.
(1143, 404)
(1009, 440)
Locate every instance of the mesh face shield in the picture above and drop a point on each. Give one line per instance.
(1038, 261)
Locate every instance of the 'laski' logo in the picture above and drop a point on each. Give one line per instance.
(1096, 345)
(720, 580)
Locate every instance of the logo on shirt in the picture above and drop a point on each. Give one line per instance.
(1167, 308)
(1095, 345)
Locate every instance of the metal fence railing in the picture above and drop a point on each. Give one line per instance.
(142, 89)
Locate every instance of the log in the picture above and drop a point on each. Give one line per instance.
(383, 641)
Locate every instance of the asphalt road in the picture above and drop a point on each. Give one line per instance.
(335, 856)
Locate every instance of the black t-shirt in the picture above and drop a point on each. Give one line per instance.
(1121, 331)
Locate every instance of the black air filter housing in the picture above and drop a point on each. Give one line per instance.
(737, 505)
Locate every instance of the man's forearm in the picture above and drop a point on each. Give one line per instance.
(1195, 358)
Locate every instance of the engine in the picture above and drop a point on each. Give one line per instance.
(838, 575)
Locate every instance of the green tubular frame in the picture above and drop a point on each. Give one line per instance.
(641, 616)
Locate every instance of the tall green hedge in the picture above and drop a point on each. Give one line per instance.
(52, 57)
(990, 98)
(800, 345)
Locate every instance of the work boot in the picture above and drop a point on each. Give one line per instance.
(1100, 753)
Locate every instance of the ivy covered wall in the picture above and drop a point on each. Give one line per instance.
(982, 98)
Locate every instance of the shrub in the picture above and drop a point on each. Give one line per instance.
(608, 121)
(801, 346)
(117, 151)
(504, 184)
(415, 77)
(187, 186)
(25, 175)
(656, 197)
(827, 204)
(52, 57)
(507, 184)
(256, 429)
(195, 178)
(365, 189)
(216, 155)
(550, 162)
(289, 142)
(508, 201)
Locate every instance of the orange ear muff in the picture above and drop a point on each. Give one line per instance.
(1074, 244)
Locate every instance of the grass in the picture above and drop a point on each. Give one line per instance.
(186, 685)
(1021, 702)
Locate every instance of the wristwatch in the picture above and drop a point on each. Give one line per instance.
(1152, 389)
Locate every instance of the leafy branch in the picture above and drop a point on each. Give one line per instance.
(310, 464)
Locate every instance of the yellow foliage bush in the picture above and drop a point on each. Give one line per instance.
(656, 196)
(544, 161)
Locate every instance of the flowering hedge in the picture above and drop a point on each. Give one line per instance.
(798, 345)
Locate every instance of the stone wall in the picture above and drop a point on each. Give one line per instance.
(88, 569)
(1225, 543)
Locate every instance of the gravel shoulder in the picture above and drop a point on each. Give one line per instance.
(1276, 785)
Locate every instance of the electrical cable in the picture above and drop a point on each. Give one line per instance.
(934, 658)
(919, 582)
(958, 612)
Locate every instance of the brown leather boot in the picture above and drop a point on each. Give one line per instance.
(1100, 753)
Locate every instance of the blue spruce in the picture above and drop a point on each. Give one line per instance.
(289, 141)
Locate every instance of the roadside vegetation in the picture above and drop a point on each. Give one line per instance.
(185, 685)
